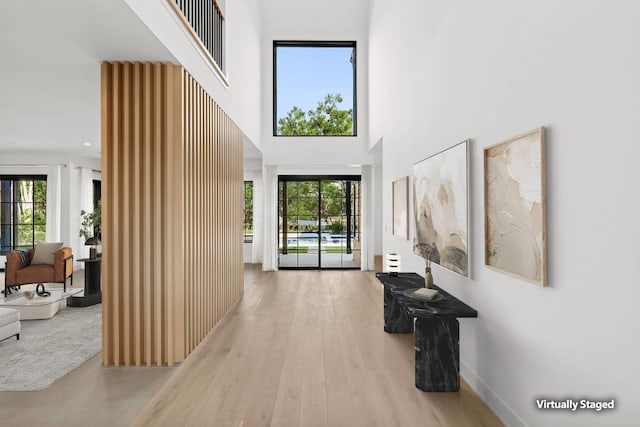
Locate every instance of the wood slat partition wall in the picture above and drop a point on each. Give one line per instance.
(172, 213)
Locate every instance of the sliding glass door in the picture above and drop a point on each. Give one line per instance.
(319, 221)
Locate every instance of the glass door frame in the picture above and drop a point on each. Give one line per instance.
(319, 179)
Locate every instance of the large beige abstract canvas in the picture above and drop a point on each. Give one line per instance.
(440, 191)
(401, 207)
(515, 219)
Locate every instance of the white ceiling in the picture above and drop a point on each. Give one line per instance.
(315, 20)
(50, 56)
(251, 152)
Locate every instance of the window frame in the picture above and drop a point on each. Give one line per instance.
(315, 44)
(246, 240)
(14, 237)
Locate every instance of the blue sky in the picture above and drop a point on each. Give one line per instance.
(307, 74)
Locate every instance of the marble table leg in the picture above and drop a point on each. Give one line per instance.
(438, 354)
(396, 320)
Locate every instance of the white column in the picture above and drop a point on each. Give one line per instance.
(368, 220)
(270, 223)
(53, 203)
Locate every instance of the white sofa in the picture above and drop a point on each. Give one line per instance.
(9, 323)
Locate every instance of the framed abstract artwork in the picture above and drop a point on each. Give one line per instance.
(400, 200)
(515, 207)
(441, 208)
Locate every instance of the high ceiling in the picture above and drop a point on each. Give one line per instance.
(50, 75)
(51, 54)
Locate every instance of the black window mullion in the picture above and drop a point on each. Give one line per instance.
(14, 231)
(33, 213)
(319, 223)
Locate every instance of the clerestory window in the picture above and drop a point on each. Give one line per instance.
(314, 88)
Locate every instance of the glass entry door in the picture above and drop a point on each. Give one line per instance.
(319, 220)
(299, 224)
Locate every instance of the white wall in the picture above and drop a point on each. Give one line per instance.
(327, 20)
(378, 203)
(241, 101)
(68, 219)
(443, 71)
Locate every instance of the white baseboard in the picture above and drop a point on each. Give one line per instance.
(499, 407)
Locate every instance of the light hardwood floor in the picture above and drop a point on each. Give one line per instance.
(307, 348)
(89, 395)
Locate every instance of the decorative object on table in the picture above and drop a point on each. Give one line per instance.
(58, 270)
(425, 251)
(41, 291)
(393, 263)
(93, 250)
(400, 201)
(428, 278)
(423, 294)
(91, 228)
(441, 207)
(515, 207)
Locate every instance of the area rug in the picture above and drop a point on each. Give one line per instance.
(50, 349)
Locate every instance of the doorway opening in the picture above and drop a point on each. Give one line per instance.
(319, 222)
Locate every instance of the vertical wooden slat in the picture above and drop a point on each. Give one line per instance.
(136, 218)
(209, 206)
(225, 202)
(218, 240)
(201, 211)
(176, 217)
(171, 198)
(188, 251)
(106, 135)
(157, 220)
(115, 197)
(199, 216)
(210, 217)
(227, 220)
(192, 281)
(124, 248)
(195, 167)
(146, 247)
(223, 216)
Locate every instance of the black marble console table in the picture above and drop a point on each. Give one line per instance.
(437, 329)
